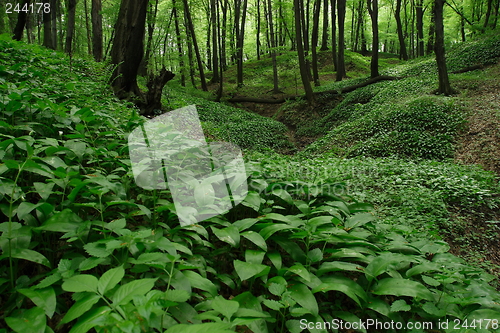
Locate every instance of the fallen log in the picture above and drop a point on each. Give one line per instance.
(242, 99)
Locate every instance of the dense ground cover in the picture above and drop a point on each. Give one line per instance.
(84, 248)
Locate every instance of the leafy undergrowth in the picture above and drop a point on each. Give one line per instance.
(84, 248)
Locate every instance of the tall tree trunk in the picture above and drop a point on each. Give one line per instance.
(239, 24)
(22, 17)
(340, 57)
(97, 30)
(402, 46)
(444, 82)
(87, 26)
(179, 44)
(223, 53)
(54, 8)
(190, 50)
(419, 11)
(334, 33)
(298, 6)
(215, 51)
(71, 26)
(273, 47)
(128, 46)
(258, 30)
(189, 20)
(314, 41)
(497, 13)
(48, 42)
(432, 32)
(488, 13)
(304, 18)
(373, 10)
(324, 36)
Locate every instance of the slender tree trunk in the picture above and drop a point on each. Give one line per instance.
(402, 46)
(488, 13)
(128, 47)
(340, 57)
(300, 50)
(258, 30)
(53, 17)
(48, 42)
(273, 47)
(462, 28)
(444, 82)
(97, 30)
(305, 35)
(324, 40)
(71, 26)
(334, 33)
(87, 26)
(190, 50)
(419, 11)
(22, 17)
(195, 45)
(223, 53)
(373, 10)
(179, 44)
(215, 51)
(432, 32)
(240, 37)
(314, 41)
(497, 9)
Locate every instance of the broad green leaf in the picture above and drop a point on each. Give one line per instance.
(255, 238)
(315, 255)
(430, 281)
(64, 221)
(334, 266)
(230, 235)
(91, 319)
(431, 309)
(79, 283)
(110, 279)
(80, 307)
(284, 195)
(270, 230)
(126, 292)
(30, 255)
(301, 271)
(25, 208)
(358, 220)
(400, 305)
(90, 263)
(303, 295)
(344, 285)
(32, 321)
(197, 281)
(483, 314)
(254, 256)
(277, 289)
(292, 248)
(43, 298)
(247, 270)
(402, 287)
(252, 200)
(275, 258)
(245, 223)
(272, 304)
(44, 189)
(201, 328)
(177, 296)
(383, 262)
(424, 267)
(225, 307)
(204, 194)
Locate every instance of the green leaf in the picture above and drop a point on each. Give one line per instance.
(44, 189)
(64, 221)
(80, 307)
(247, 270)
(225, 307)
(255, 238)
(43, 298)
(110, 279)
(303, 295)
(126, 292)
(301, 271)
(230, 235)
(382, 263)
(201, 328)
(315, 255)
(284, 195)
(178, 296)
(272, 304)
(254, 256)
(91, 319)
(400, 305)
(402, 287)
(197, 281)
(79, 283)
(275, 258)
(358, 220)
(334, 266)
(430, 281)
(204, 194)
(32, 321)
(252, 200)
(344, 285)
(424, 267)
(30, 255)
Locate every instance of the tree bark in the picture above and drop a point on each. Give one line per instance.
(155, 88)
(334, 34)
(179, 44)
(22, 17)
(48, 41)
(314, 41)
(128, 46)
(432, 32)
(189, 20)
(239, 24)
(300, 50)
(373, 10)
(71, 26)
(273, 47)
(87, 27)
(324, 40)
(444, 82)
(340, 56)
(97, 30)
(420, 27)
(215, 51)
(488, 13)
(258, 30)
(402, 46)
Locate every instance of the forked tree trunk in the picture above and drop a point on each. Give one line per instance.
(128, 47)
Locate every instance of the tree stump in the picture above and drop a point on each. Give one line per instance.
(155, 89)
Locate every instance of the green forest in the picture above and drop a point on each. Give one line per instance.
(266, 166)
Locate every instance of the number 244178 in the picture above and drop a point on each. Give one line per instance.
(39, 7)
